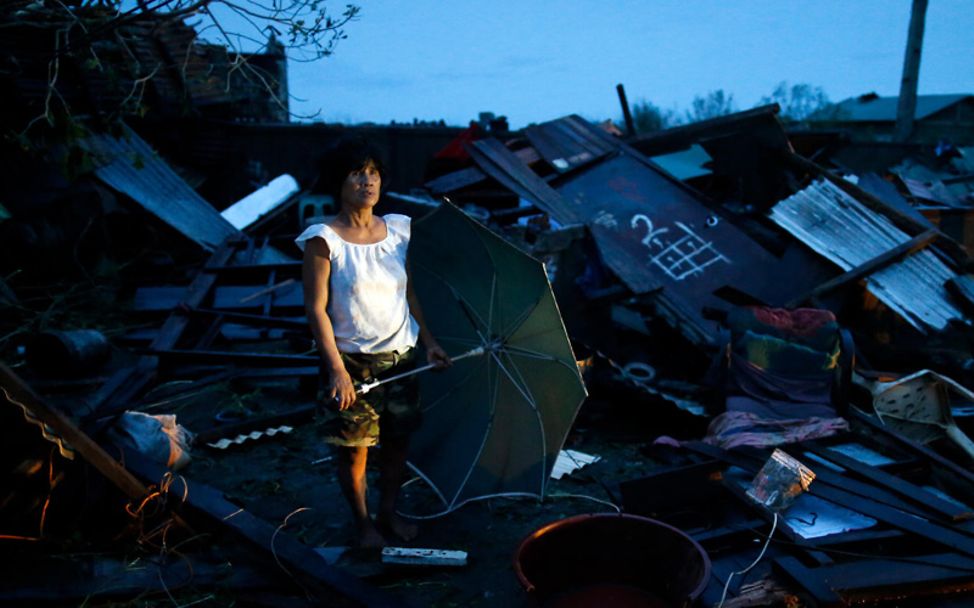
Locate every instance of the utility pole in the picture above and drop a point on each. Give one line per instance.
(906, 110)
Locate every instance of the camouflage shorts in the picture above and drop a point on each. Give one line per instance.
(392, 407)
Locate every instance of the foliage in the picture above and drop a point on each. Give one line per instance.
(799, 102)
(713, 104)
(647, 117)
(64, 41)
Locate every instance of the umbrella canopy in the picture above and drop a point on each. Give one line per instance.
(493, 424)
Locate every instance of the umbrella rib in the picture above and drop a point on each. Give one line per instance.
(527, 352)
(490, 308)
(523, 388)
(483, 442)
(467, 308)
(523, 352)
(520, 319)
(450, 390)
(517, 385)
(458, 340)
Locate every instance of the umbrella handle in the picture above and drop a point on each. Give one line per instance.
(365, 388)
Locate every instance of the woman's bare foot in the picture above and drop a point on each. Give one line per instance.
(369, 536)
(397, 526)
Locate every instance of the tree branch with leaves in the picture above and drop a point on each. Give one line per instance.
(98, 40)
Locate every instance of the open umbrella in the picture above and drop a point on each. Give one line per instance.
(493, 424)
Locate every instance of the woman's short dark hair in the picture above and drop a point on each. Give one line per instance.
(348, 156)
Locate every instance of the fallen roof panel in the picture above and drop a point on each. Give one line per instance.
(130, 166)
(843, 230)
(567, 143)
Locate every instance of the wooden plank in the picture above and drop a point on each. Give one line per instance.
(133, 381)
(914, 447)
(549, 150)
(953, 539)
(874, 579)
(587, 136)
(173, 355)
(896, 484)
(275, 543)
(19, 393)
(853, 537)
(866, 574)
(470, 176)
(197, 291)
(238, 271)
(601, 141)
(671, 487)
(243, 318)
(809, 580)
(825, 476)
(867, 268)
(158, 299)
(501, 164)
(81, 580)
(456, 180)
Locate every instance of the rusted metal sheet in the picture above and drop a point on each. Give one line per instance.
(131, 167)
(844, 231)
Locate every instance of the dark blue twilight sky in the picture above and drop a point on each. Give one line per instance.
(537, 60)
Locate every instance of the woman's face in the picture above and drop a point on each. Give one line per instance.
(361, 188)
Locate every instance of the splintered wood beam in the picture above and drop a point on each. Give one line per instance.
(20, 394)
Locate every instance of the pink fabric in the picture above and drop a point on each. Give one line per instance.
(733, 429)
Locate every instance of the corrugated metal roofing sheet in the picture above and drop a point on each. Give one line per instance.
(883, 109)
(133, 168)
(844, 231)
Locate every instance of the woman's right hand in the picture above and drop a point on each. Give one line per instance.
(341, 391)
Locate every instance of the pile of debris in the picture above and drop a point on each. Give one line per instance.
(813, 320)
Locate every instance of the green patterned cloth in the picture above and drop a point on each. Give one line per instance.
(392, 407)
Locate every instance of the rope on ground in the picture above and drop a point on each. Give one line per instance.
(723, 596)
(274, 551)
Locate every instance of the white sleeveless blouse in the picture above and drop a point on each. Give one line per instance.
(367, 290)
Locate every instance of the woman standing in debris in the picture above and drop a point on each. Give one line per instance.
(366, 322)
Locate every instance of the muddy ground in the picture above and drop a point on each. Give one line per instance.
(292, 477)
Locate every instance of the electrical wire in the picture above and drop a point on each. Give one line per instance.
(723, 596)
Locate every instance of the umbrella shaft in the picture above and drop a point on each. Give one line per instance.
(371, 385)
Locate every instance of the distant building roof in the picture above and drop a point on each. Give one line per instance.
(873, 108)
